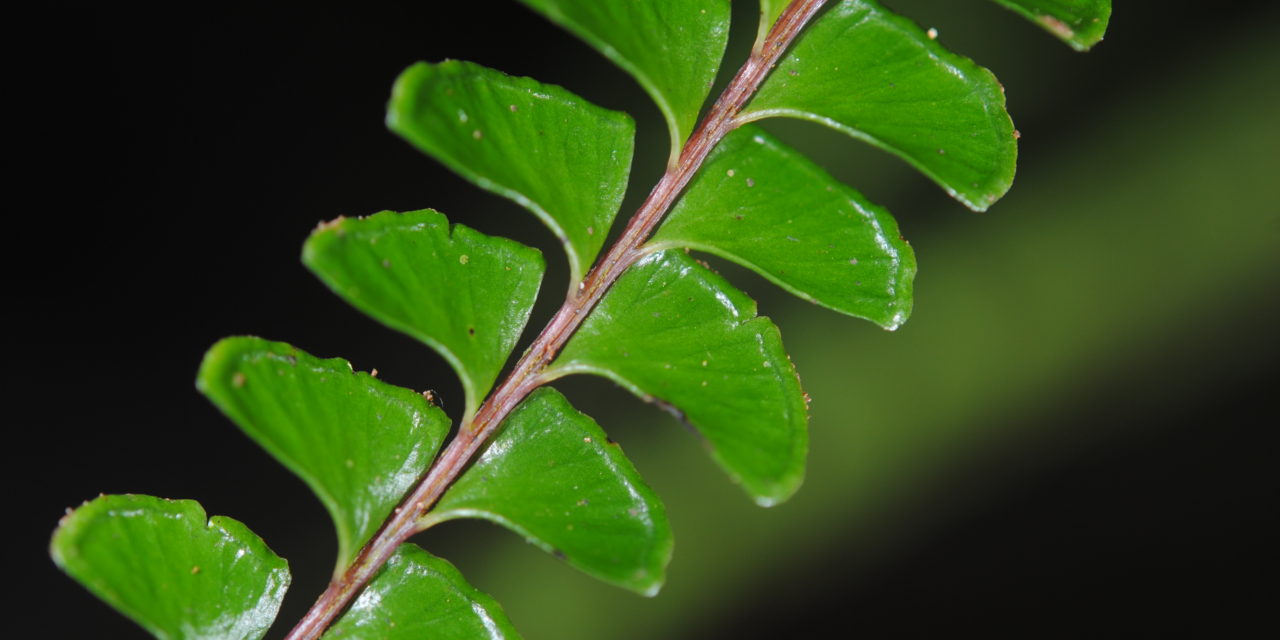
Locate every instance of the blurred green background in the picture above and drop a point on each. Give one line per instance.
(1072, 436)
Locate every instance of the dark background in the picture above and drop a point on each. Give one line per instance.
(1094, 465)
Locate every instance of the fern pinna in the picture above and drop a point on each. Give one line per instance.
(641, 312)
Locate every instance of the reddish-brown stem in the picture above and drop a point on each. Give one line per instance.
(526, 376)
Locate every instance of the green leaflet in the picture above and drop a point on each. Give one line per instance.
(672, 48)
(170, 568)
(553, 476)
(767, 207)
(359, 443)
(417, 595)
(876, 76)
(559, 156)
(1079, 23)
(672, 331)
(465, 294)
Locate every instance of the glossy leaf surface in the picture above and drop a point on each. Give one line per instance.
(417, 595)
(561, 157)
(673, 48)
(672, 331)
(877, 76)
(1079, 23)
(767, 207)
(554, 477)
(170, 568)
(359, 443)
(465, 294)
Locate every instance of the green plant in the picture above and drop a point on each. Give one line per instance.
(645, 315)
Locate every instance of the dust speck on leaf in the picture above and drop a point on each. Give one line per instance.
(477, 134)
(750, 182)
(933, 33)
(237, 379)
(464, 258)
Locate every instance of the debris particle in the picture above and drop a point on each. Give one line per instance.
(374, 372)
(1017, 135)
(464, 258)
(586, 439)
(591, 231)
(237, 379)
(514, 108)
(195, 569)
(750, 182)
(730, 173)
(477, 134)
(853, 261)
(933, 33)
